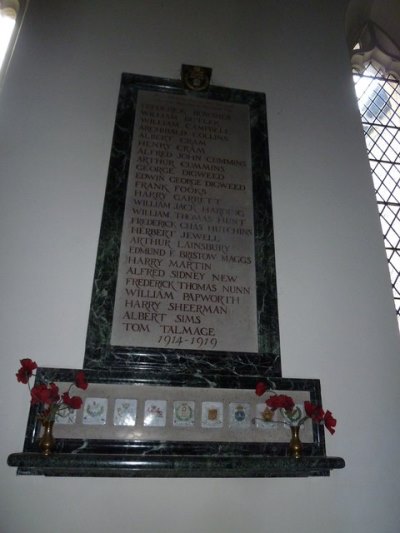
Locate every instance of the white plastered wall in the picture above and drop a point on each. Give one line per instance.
(337, 319)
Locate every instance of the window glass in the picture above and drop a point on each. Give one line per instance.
(378, 97)
(8, 17)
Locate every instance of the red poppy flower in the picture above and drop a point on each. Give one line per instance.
(80, 380)
(75, 402)
(330, 422)
(280, 401)
(45, 395)
(315, 412)
(261, 388)
(39, 394)
(26, 370)
(53, 393)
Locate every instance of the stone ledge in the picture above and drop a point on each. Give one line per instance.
(131, 465)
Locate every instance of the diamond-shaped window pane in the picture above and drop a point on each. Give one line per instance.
(383, 143)
(397, 304)
(390, 223)
(386, 178)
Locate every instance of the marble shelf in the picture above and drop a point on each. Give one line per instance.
(103, 451)
(131, 465)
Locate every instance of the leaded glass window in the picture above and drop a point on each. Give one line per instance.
(378, 97)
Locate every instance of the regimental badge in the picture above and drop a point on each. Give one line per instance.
(66, 416)
(265, 418)
(125, 412)
(212, 414)
(155, 413)
(95, 411)
(196, 78)
(239, 415)
(183, 413)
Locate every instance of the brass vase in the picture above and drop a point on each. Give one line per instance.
(47, 441)
(295, 446)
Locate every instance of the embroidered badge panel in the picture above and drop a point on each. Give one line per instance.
(140, 412)
(95, 411)
(125, 412)
(183, 414)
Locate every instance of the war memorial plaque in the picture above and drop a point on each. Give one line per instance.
(183, 319)
(186, 276)
(185, 266)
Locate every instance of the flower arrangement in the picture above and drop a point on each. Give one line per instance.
(47, 395)
(292, 413)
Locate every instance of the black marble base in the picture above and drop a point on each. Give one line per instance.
(129, 465)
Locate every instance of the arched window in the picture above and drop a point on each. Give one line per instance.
(376, 79)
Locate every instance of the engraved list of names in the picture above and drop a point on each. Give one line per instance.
(186, 275)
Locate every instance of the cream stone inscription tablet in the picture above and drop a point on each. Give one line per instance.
(186, 275)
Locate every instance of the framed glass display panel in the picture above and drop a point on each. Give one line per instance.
(185, 272)
(132, 426)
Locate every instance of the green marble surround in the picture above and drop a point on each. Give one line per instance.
(119, 465)
(99, 352)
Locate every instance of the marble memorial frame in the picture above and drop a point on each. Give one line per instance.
(99, 353)
(82, 448)
(70, 441)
